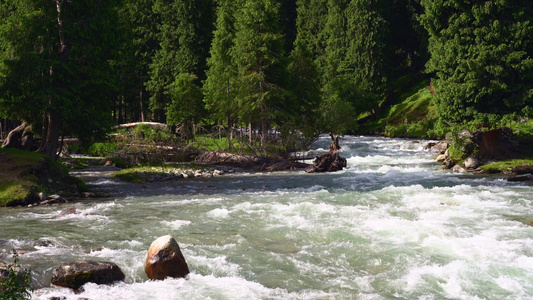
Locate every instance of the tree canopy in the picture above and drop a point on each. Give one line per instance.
(482, 57)
(274, 70)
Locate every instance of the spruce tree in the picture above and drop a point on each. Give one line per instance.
(367, 55)
(219, 88)
(481, 57)
(139, 44)
(305, 90)
(55, 72)
(310, 24)
(184, 37)
(261, 65)
(335, 62)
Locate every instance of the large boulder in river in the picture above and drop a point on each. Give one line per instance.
(165, 259)
(75, 274)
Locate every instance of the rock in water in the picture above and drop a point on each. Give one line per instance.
(75, 274)
(165, 259)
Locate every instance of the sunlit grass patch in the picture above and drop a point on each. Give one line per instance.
(507, 165)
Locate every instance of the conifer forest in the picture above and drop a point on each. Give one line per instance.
(272, 68)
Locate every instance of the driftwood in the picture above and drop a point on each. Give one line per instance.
(133, 125)
(250, 161)
(329, 162)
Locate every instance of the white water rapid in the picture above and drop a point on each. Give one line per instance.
(391, 226)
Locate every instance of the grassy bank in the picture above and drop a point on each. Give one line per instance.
(24, 174)
(410, 112)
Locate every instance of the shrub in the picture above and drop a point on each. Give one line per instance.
(15, 282)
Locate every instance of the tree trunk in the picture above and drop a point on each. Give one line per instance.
(141, 103)
(230, 133)
(250, 132)
(52, 118)
(52, 136)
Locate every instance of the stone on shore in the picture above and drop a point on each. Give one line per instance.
(75, 274)
(165, 259)
(472, 163)
(459, 169)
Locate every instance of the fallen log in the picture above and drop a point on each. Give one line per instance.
(133, 125)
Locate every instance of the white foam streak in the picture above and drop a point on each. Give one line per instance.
(177, 224)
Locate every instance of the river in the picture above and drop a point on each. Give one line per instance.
(393, 225)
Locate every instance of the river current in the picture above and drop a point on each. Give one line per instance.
(392, 225)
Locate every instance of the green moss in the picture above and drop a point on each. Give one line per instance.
(507, 165)
(12, 191)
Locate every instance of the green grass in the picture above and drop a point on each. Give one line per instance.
(16, 182)
(24, 173)
(13, 190)
(415, 108)
(142, 173)
(412, 115)
(507, 165)
(214, 143)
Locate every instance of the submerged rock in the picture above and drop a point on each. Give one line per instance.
(68, 211)
(75, 274)
(522, 177)
(165, 259)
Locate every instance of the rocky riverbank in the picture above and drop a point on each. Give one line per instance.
(487, 152)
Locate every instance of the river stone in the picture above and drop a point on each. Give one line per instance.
(441, 158)
(442, 146)
(472, 163)
(165, 259)
(458, 169)
(522, 177)
(75, 274)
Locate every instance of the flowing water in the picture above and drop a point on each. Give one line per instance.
(391, 226)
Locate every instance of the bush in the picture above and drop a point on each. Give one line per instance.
(101, 149)
(15, 282)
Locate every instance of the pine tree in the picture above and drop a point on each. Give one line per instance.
(367, 33)
(219, 88)
(260, 60)
(139, 27)
(186, 104)
(184, 36)
(305, 88)
(55, 72)
(481, 56)
(310, 24)
(335, 62)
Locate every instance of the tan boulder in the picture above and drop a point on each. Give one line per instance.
(165, 259)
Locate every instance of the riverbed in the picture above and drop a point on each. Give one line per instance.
(393, 225)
